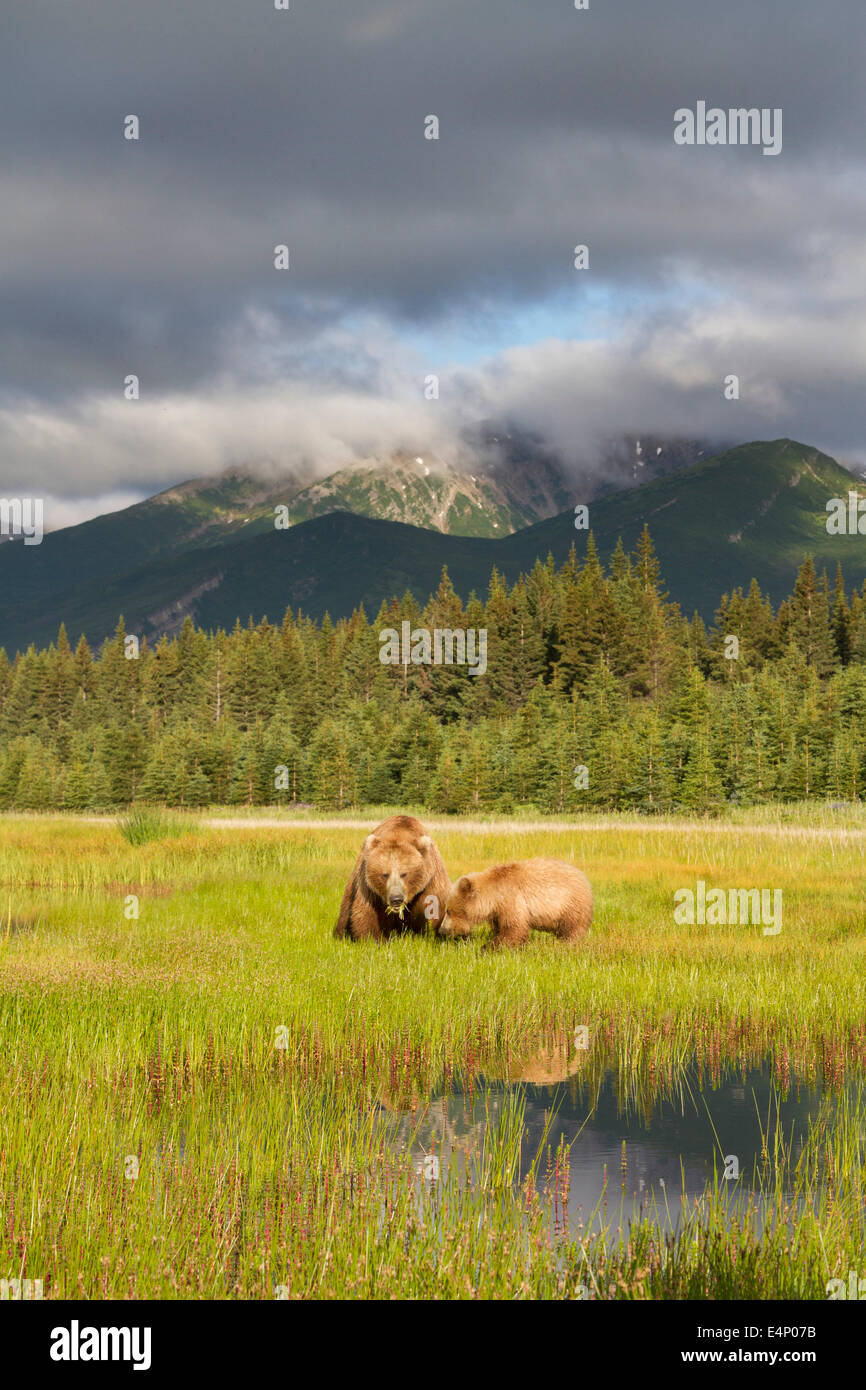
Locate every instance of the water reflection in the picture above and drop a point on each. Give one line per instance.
(627, 1154)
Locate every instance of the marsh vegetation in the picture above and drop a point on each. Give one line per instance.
(213, 1098)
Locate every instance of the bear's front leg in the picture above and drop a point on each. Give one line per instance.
(507, 931)
(494, 942)
(364, 923)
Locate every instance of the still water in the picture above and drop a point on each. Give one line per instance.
(625, 1158)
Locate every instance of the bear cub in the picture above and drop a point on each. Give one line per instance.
(530, 894)
(399, 883)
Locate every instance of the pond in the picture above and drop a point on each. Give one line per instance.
(608, 1156)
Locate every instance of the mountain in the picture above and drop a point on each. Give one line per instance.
(425, 493)
(750, 511)
(510, 481)
(506, 480)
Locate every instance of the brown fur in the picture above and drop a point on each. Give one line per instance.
(398, 859)
(530, 894)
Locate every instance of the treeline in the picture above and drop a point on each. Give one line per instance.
(598, 693)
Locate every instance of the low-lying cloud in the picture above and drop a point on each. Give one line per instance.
(305, 127)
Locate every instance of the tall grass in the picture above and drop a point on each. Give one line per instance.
(146, 823)
(256, 1070)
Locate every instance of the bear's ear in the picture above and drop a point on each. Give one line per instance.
(369, 843)
(464, 884)
(424, 843)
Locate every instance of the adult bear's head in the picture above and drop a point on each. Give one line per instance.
(398, 864)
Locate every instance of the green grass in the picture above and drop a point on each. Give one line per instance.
(146, 823)
(255, 1068)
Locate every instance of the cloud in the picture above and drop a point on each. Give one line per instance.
(800, 375)
(63, 511)
(279, 431)
(261, 127)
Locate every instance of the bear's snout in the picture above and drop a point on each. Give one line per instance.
(396, 898)
(449, 930)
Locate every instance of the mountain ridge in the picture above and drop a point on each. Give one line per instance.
(749, 512)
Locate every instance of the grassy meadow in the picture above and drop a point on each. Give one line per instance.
(202, 1091)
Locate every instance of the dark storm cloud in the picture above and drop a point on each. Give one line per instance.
(306, 127)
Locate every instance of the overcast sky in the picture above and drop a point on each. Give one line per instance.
(412, 256)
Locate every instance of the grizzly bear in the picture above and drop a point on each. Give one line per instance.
(399, 883)
(544, 894)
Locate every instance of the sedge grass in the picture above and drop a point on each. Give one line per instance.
(181, 1003)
